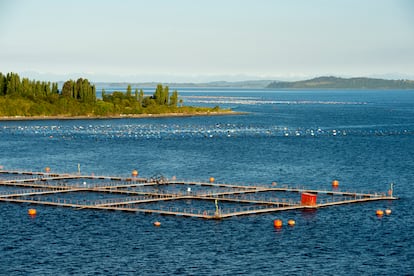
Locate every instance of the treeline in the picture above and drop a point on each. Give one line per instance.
(344, 83)
(11, 85)
(80, 90)
(137, 103)
(24, 97)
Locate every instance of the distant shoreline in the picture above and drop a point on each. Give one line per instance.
(121, 116)
(330, 82)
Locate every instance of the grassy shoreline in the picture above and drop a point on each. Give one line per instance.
(120, 116)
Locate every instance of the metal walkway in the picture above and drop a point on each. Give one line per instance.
(167, 197)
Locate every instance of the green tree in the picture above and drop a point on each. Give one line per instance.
(104, 108)
(165, 96)
(55, 89)
(67, 89)
(136, 94)
(147, 102)
(104, 96)
(129, 91)
(157, 96)
(141, 96)
(13, 84)
(161, 95)
(3, 84)
(80, 90)
(26, 87)
(174, 98)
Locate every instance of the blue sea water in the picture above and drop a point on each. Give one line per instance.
(365, 139)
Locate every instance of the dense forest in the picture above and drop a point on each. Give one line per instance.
(343, 83)
(24, 97)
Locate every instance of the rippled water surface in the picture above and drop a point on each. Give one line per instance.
(365, 139)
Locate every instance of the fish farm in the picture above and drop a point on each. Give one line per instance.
(160, 195)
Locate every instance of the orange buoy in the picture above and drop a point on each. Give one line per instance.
(291, 222)
(388, 211)
(32, 212)
(335, 183)
(134, 173)
(157, 223)
(380, 213)
(212, 179)
(47, 169)
(277, 223)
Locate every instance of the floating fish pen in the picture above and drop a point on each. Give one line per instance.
(159, 195)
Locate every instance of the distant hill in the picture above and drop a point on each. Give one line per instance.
(216, 84)
(316, 83)
(343, 83)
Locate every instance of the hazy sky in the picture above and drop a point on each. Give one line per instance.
(190, 40)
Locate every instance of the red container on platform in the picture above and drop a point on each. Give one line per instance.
(308, 199)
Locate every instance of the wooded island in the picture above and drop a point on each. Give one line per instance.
(28, 98)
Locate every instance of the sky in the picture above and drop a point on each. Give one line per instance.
(198, 41)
